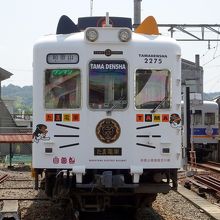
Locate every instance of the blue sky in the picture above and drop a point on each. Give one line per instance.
(22, 22)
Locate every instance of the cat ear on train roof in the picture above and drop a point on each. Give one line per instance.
(66, 26)
(148, 26)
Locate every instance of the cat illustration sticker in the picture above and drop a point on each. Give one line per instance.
(40, 133)
(175, 120)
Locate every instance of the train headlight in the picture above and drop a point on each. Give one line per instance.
(124, 35)
(92, 34)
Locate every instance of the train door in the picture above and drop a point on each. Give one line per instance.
(106, 120)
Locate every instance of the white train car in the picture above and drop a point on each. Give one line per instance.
(205, 130)
(107, 112)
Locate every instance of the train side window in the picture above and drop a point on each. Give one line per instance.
(152, 88)
(62, 88)
(198, 117)
(108, 81)
(209, 118)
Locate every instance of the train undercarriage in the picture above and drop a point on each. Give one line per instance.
(206, 152)
(101, 190)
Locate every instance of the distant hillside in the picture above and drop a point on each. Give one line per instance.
(210, 96)
(23, 96)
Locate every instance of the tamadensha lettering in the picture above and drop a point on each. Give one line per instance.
(153, 55)
(108, 66)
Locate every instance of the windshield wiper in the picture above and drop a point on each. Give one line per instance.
(159, 104)
(109, 111)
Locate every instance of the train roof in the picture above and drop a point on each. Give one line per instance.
(205, 102)
(147, 31)
(216, 99)
(67, 26)
(210, 102)
(85, 22)
(158, 40)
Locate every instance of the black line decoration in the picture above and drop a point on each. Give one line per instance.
(145, 145)
(156, 136)
(148, 126)
(69, 145)
(65, 135)
(142, 136)
(67, 126)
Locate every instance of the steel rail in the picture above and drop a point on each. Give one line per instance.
(213, 184)
(209, 166)
(3, 178)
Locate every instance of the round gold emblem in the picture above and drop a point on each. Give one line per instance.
(108, 130)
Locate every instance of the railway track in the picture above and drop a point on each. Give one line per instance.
(35, 205)
(207, 176)
(3, 177)
(211, 182)
(210, 165)
(205, 181)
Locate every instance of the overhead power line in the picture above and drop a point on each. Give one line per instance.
(201, 29)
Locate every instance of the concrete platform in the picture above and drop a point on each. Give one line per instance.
(209, 208)
(9, 210)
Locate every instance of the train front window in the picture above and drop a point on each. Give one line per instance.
(152, 89)
(62, 88)
(108, 84)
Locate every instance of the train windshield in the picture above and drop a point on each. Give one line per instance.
(108, 84)
(62, 88)
(152, 89)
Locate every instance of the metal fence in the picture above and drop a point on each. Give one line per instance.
(15, 154)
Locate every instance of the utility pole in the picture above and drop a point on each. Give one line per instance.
(137, 12)
(91, 7)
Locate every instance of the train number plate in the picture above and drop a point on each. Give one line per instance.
(62, 58)
(107, 151)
